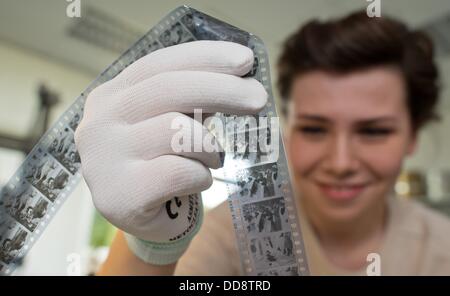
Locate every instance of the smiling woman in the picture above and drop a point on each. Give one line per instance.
(358, 91)
(347, 136)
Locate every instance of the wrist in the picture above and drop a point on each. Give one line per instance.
(164, 253)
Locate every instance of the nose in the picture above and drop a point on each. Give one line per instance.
(341, 160)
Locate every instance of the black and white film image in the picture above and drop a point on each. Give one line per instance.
(284, 271)
(26, 206)
(6, 223)
(175, 35)
(75, 121)
(252, 147)
(47, 175)
(153, 46)
(64, 150)
(259, 181)
(150, 47)
(11, 241)
(254, 72)
(237, 124)
(205, 27)
(272, 250)
(265, 216)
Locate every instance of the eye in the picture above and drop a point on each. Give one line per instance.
(375, 132)
(311, 130)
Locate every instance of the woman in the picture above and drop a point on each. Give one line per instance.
(356, 91)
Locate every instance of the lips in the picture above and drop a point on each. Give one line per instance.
(341, 192)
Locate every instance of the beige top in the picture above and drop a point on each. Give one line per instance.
(417, 242)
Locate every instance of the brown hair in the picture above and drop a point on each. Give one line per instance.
(357, 42)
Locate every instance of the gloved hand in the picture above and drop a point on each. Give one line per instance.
(136, 179)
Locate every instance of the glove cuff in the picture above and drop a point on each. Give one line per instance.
(162, 253)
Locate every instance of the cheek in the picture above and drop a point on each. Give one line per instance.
(384, 160)
(303, 155)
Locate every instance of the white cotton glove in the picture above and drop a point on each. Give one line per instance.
(124, 141)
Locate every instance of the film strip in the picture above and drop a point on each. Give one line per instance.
(260, 194)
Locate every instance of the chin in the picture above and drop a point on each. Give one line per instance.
(344, 215)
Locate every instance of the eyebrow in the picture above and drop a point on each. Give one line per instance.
(368, 121)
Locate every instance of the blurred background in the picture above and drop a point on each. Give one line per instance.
(47, 59)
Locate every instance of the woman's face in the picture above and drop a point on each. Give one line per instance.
(346, 137)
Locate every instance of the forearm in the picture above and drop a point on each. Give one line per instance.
(121, 261)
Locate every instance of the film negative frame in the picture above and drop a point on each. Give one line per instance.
(51, 171)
